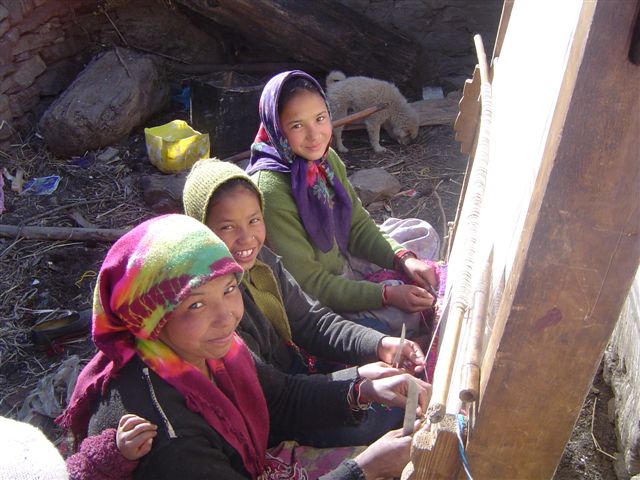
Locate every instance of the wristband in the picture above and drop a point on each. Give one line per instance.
(353, 396)
(385, 297)
(400, 257)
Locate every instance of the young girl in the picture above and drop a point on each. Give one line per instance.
(314, 217)
(222, 196)
(166, 306)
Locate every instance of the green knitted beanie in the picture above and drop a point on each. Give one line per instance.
(205, 177)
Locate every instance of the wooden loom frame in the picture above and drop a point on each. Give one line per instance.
(560, 304)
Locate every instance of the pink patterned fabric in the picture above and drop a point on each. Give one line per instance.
(429, 317)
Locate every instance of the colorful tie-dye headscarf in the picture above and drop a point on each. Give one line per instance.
(323, 203)
(144, 277)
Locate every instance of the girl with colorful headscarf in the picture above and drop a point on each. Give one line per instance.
(166, 306)
(315, 219)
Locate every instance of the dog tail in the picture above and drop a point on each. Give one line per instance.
(334, 77)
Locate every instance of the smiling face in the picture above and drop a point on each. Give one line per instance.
(202, 325)
(237, 219)
(305, 122)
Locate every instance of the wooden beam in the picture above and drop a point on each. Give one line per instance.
(507, 7)
(62, 233)
(575, 260)
(324, 33)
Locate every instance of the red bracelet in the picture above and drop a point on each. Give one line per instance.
(385, 298)
(400, 256)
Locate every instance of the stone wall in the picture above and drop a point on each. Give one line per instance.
(622, 371)
(444, 29)
(44, 44)
(41, 51)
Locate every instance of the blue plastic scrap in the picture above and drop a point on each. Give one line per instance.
(41, 185)
(183, 97)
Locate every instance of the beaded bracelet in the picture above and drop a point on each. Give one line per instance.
(353, 396)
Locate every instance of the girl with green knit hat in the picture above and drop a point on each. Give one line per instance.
(282, 325)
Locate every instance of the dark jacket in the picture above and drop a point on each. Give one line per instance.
(316, 329)
(186, 447)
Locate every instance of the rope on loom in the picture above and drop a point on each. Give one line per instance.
(475, 194)
(461, 290)
(463, 456)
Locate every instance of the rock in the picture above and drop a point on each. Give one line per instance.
(374, 184)
(611, 409)
(620, 468)
(114, 94)
(28, 70)
(24, 101)
(4, 27)
(632, 455)
(108, 154)
(57, 77)
(60, 50)
(163, 193)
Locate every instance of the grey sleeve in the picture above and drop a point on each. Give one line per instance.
(347, 470)
(319, 330)
(299, 402)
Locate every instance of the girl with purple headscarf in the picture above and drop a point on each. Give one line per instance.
(316, 221)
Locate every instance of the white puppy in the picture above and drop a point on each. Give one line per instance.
(353, 94)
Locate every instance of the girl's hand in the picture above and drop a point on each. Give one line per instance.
(392, 391)
(376, 370)
(411, 356)
(386, 457)
(421, 273)
(135, 436)
(409, 298)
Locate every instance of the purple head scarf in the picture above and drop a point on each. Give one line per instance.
(323, 203)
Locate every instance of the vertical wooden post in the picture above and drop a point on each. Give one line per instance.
(576, 257)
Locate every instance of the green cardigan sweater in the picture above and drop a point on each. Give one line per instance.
(318, 273)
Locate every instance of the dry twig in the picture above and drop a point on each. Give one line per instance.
(593, 437)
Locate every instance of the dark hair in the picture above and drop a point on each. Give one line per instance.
(227, 187)
(292, 87)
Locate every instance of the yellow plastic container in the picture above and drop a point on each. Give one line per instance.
(175, 146)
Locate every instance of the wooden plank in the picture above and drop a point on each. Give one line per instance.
(441, 111)
(507, 7)
(575, 259)
(438, 111)
(434, 452)
(468, 118)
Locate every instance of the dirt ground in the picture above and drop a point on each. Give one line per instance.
(41, 275)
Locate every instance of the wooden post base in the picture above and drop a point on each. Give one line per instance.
(434, 452)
